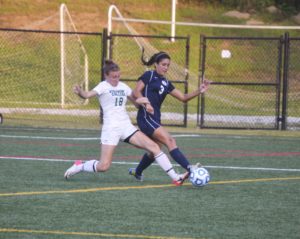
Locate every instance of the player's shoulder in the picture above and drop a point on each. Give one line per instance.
(146, 76)
(123, 85)
(102, 83)
(148, 73)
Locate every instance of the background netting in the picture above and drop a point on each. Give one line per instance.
(246, 82)
(293, 109)
(31, 90)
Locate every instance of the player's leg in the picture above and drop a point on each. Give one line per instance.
(146, 161)
(141, 140)
(104, 163)
(106, 157)
(163, 136)
(147, 126)
(93, 166)
(111, 139)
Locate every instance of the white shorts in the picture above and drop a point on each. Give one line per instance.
(112, 136)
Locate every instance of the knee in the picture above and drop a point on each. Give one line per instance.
(171, 142)
(154, 149)
(102, 167)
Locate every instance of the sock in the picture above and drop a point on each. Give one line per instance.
(180, 158)
(90, 166)
(166, 165)
(145, 162)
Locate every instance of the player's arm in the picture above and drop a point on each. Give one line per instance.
(137, 94)
(186, 97)
(141, 101)
(84, 94)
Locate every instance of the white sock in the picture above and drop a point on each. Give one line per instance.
(90, 166)
(166, 165)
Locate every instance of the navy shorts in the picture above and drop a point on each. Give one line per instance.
(148, 124)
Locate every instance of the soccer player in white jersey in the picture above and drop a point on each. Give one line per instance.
(112, 95)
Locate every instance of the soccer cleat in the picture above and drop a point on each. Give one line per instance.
(74, 169)
(132, 172)
(186, 175)
(182, 178)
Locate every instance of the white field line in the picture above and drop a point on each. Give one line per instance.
(97, 138)
(50, 138)
(135, 163)
(82, 138)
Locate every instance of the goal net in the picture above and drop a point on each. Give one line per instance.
(74, 60)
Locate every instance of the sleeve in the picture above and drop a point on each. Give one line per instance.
(145, 77)
(99, 89)
(170, 87)
(128, 90)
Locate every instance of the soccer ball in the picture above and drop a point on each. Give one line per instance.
(199, 177)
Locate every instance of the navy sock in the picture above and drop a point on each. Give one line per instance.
(144, 163)
(180, 158)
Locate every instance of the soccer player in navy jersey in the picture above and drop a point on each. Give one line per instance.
(153, 85)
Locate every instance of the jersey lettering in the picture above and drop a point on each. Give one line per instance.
(117, 92)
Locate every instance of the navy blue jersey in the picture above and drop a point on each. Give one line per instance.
(156, 89)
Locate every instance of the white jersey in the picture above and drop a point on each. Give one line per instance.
(113, 101)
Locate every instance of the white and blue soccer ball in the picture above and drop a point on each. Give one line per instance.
(199, 177)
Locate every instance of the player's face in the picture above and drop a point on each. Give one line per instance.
(163, 66)
(113, 76)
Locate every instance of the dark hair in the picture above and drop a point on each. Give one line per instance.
(109, 66)
(156, 58)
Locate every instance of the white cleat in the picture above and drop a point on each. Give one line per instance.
(197, 165)
(77, 167)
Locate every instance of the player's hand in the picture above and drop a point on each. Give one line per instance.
(149, 109)
(77, 89)
(142, 100)
(204, 86)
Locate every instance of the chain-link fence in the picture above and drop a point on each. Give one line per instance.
(127, 50)
(38, 70)
(293, 93)
(246, 82)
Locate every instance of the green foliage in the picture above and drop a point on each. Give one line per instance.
(245, 5)
(288, 7)
(289, 4)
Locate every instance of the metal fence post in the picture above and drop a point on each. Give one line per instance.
(186, 83)
(201, 76)
(285, 80)
(104, 51)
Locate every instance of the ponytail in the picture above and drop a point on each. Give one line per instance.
(156, 58)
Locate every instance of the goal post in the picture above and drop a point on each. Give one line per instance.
(73, 60)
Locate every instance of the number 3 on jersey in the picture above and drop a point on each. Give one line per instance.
(162, 89)
(119, 101)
